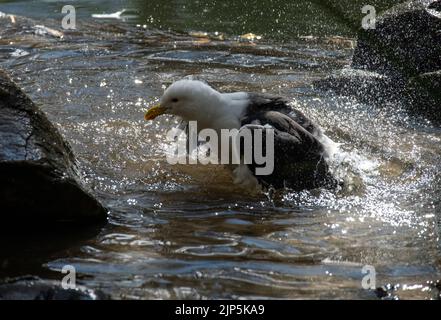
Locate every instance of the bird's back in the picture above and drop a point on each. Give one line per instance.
(260, 104)
(299, 153)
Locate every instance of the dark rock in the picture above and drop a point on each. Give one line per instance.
(39, 180)
(34, 288)
(367, 86)
(420, 95)
(405, 42)
(398, 61)
(424, 95)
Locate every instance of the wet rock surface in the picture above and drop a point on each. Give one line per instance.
(34, 288)
(406, 41)
(39, 182)
(398, 61)
(424, 95)
(366, 86)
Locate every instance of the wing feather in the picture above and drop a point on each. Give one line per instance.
(298, 155)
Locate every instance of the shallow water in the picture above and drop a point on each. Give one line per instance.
(184, 231)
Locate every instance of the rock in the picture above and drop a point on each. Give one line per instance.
(398, 61)
(420, 95)
(424, 95)
(366, 86)
(39, 180)
(34, 288)
(405, 42)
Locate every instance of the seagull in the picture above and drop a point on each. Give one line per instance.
(301, 150)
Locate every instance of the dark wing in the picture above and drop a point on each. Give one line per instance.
(260, 103)
(298, 155)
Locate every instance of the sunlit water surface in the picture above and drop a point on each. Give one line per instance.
(184, 231)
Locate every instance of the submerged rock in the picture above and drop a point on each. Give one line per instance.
(406, 40)
(39, 182)
(34, 288)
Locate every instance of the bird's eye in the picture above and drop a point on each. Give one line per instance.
(175, 100)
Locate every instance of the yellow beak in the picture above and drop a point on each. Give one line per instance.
(155, 111)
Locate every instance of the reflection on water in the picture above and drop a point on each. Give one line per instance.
(280, 20)
(184, 231)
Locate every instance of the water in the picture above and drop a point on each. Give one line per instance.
(184, 231)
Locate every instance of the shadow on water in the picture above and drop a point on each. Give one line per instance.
(23, 251)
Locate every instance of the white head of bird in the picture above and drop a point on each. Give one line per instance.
(194, 100)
